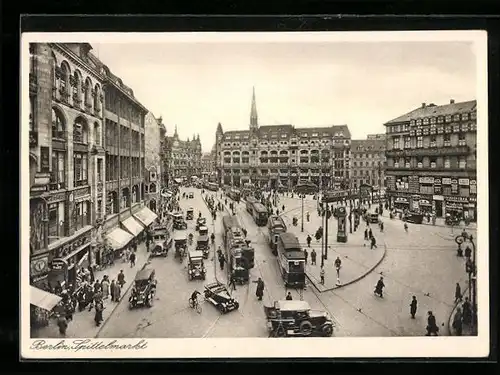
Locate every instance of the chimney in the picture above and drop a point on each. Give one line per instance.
(452, 101)
(423, 105)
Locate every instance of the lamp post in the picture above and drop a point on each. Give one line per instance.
(302, 215)
(322, 243)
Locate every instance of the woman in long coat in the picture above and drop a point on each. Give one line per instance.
(105, 288)
(457, 322)
(112, 289)
(260, 289)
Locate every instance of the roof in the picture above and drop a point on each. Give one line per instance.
(290, 240)
(195, 254)
(266, 130)
(358, 145)
(433, 110)
(144, 274)
(293, 305)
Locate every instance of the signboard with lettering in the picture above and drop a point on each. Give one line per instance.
(454, 186)
(473, 187)
(463, 181)
(426, 180)
(44, 159)
(437, 186)
(413, 184)
(39, 266)
(58, 264)
(446, 181)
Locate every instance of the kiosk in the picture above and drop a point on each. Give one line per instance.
(341, 228)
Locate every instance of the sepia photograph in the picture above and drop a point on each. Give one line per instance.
(254, 194)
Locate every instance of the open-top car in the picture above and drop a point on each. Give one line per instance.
(203, 245)
(179, 222)
(201, 221)
(144, 289)
(218, 295)
(295, 318)
(180, 244)
(190, 213)
(196, 266)
(203, 230)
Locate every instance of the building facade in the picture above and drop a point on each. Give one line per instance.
(282, 155)
(183, 158)
(67, 160)
(367, 163)
(431, 159)
(154, 135)
(207, 165)
(376, 136)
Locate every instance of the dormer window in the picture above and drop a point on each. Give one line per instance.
(314, 134)
(304, 134)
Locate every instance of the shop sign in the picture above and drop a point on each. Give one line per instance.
(36, 279)
(454, 186)
(82, 192)
(57, 197)
(463, 181)
(446, 181)
(457, 199)
(58, 264)
(438, 197)
(66, 250)
(401, 200)
(472, 199)
(426, 180)
(473, 187)
(39, 266)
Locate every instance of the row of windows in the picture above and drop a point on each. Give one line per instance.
(123, 137)
(80, 129)
(372, 172)
(123, 107)
(57, 218)
(114, 204)
(284, 143)
(433, 163)
(369, 156)
(283, 153)
(367, 164)
(58, 173)
(128, 167)
(431, 121)
(433, 141)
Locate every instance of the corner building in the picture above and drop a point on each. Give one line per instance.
(282, 155)
(66, 160)
(431, 160)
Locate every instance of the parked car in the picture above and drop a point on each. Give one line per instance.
(295, 318)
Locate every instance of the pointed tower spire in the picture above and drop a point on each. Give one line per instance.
(253, 113)
(175, 132)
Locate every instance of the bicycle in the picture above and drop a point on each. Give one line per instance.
(195, 306)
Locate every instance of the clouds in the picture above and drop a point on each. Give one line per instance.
(363, 85)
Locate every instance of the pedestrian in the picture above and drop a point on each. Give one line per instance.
(338, 264)
(62, 323)
(118, 292)
(105, 287)
(134, 246)
(289, 296)
(307, 216)
(381, 226)
(370, 234)
(69, 310)
(466, 312)
(283, 208)
(232, 282)
(308, 240)
(97, 287)
(406, 227)
(277, 212)
(244, 232)
(99, 307)
(457, 322)
(322, 275)
(373, 243)
(259, 292)
(366, 234)
(306, 254)
(413, 307)
(458, 293)
(91, 273)
(432, 328)
(112, 290)
(313, 257)
(132, 260)
(121, 279)
(468, 252)
(222, 260)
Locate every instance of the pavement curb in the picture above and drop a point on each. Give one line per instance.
(452, 315)
(118, 303)
(370, 270)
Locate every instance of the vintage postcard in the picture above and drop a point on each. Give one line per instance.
(216, 195)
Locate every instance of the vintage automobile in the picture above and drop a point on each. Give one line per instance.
(161, 241)
(295, 318)
(196, 266)
(191, 195)
(218, 295)
(180, 244)
(144, 289)
(203, 245)
(201, 221)
(203, 230)
(179, 222)
(190, 213)
(413, 217)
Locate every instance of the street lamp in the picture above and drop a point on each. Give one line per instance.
(302, 216)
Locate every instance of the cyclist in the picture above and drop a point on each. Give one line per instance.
(194, 297)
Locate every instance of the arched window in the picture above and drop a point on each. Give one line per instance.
(152, 188)
(97, 134)
(97, 98)
(58, 125)
(80, 133)
(88, 93)
(76, 88)
(125, 202)
(53, 65)
(64, 82)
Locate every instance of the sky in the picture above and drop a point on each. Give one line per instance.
(360, 84)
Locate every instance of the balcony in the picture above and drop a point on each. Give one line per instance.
(33, 84)
(442, 151)
(33, 138)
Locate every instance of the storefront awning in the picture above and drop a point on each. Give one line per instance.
(118, 238)
(145, 216)
(43, 299)
(132, 226)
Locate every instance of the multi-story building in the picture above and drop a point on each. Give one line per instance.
(283, 155)
(376, 136)
(66, 160)
(154, 135)
(431, 159)
(183, 158)
(207, 165)
(367, 163)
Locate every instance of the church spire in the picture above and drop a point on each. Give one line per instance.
(253, 113)
(175, 132)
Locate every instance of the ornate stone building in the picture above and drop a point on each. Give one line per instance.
(367, 163)
(431, 159)
(183, 158)
(282, 155)
(154, 136)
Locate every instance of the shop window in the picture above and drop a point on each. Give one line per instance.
(82, 214)
(58, 175)
(461, 139)
(447, 140)
(447, 162)
(420, 142)
(462, 163)
(396, 164)
(80, 161)
(58, 125)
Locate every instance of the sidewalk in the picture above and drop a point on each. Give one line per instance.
(467, 330)
(83, 325)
